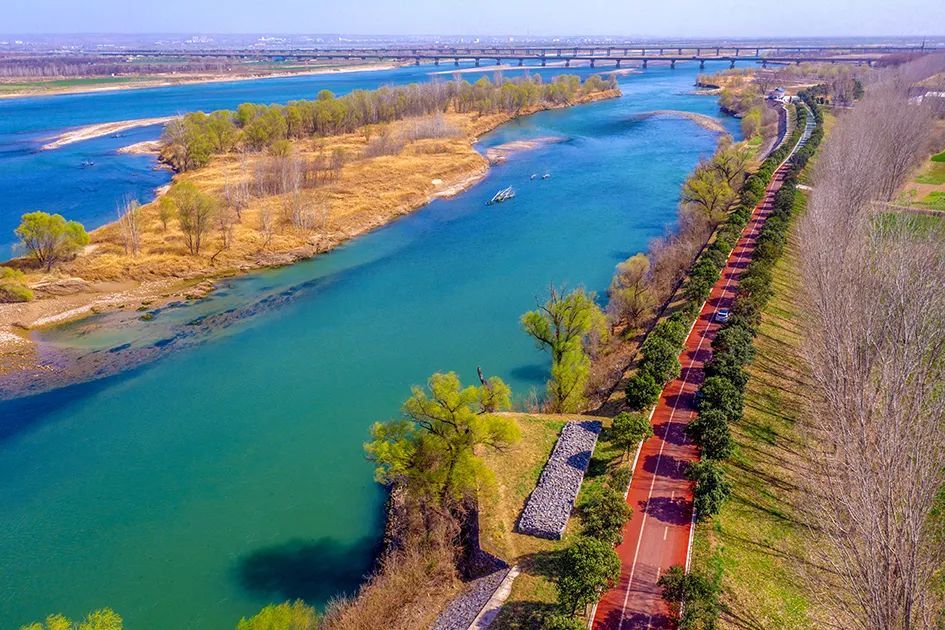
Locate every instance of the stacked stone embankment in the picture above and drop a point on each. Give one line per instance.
(460, 613)
(548, 508)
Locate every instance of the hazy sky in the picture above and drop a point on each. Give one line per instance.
(658, 18)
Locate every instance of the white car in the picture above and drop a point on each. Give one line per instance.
(723, 315)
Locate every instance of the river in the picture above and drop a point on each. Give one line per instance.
(197, 488)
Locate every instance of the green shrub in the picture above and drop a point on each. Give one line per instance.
(712, 488)
(604, 513)
(720, 393)
(296, 615)
(628, 430)
(673, 329)
(619, 478)
(710, 431)
(700, 594)
(13, 286)
(642, 391)
(583, 571)
(548, 621)
(726, 367)
(735, 341)
(49, 238)
(660, 359)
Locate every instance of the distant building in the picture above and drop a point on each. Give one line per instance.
(919, 94)
(777, 94)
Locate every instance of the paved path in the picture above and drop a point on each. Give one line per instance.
(658, 536)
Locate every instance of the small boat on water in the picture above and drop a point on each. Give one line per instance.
(87, 163)
(546, 176)
(534, 176)
(503, 195)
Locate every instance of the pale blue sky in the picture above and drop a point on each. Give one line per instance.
(654, 18)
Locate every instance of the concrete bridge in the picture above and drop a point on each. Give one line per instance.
(702, 50)
(593, 56)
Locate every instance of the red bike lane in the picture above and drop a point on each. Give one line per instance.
(658, 535)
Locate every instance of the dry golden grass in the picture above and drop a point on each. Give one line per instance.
(366, 193)
(408, 592)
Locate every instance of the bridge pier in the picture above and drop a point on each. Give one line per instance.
(567, 63)
(644, 64)
(618, 63)
(698, 52)
(757, 52)
(642, 52)
(542, 62)
(732, 64)
(737, 51)
(661, 52)
(592, 62)
(456, 62)
(416, 61)
(702, 64)
(679, 51)
(436, 61)
(521, 62)
(498, 61)
(764, 64)
(477, 62)
(672, 64)
(718, 51)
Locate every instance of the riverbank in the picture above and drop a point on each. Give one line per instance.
(363, 194)
(110, 84)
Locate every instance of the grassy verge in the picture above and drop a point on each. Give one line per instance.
(517, 471)
(758, 538)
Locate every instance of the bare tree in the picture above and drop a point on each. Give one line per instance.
(129, 223)
(266, 225)
(875, 345)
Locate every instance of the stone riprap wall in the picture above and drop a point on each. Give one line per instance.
(548, 508)
(460, 613)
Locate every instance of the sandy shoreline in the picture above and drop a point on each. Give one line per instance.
(706, 122)
(501, 152)
(148, 147)
(194, 80)
(98, 130)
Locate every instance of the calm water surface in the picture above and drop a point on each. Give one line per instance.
(194, 490)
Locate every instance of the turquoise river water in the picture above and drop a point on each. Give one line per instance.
(228, 474)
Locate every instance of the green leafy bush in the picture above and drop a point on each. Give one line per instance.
(712, 488)
(642, 391)
(13, 286)
(721, 394)
(583, 571)
(604, 513)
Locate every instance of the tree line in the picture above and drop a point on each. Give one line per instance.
(720, 400)
(74, 66)
(874, 345)
(190, 142)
